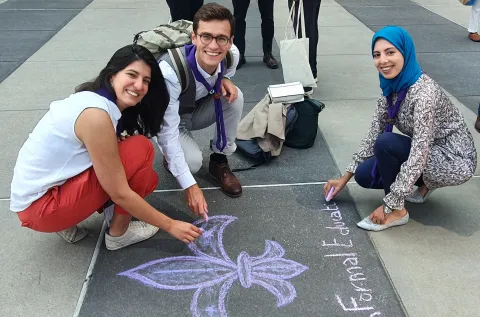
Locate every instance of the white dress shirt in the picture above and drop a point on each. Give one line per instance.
(167, 138)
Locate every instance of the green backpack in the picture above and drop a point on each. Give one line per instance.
(168, 38)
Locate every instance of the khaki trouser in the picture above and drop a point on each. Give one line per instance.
(204, 116)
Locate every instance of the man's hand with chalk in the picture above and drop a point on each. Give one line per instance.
(334, 186)
(196, 201)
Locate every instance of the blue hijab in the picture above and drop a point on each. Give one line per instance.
(411, 69)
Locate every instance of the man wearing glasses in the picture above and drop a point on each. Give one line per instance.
(209, 98)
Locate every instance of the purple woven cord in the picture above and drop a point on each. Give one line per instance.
(220, 124)
(392, 113)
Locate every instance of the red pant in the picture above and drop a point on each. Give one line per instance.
(64, 206)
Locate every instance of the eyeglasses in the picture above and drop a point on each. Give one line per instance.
(208, 38)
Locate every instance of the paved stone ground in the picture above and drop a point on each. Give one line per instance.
(427, 267)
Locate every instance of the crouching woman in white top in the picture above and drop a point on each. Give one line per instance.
(72, 163)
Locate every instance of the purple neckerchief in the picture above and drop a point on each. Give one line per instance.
(392, 113)
(104, 92)
(192, 62)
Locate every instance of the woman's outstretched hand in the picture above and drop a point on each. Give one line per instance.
(184, 231)
(338, 184)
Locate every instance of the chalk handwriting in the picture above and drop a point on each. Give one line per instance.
(362, 300)
(212, 273)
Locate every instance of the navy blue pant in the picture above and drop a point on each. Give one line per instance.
(391, 150)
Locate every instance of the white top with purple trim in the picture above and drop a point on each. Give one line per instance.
(52, 153)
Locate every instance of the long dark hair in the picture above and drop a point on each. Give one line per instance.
(147, 116)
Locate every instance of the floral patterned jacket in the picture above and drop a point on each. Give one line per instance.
(442, 151)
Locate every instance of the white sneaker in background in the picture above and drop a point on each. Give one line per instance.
(137, 231)
(73, 234)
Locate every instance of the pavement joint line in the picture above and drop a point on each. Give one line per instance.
(72, 9)
(88, 277)
(245, 186)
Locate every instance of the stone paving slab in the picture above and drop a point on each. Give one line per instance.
(6, 68)
(292, 166)
(22, 44)
(451, 33)
(44, 4)
(335, 269)
(432, 260)
(394, 15)
(41, 274)
(47, 20)
(456, 72)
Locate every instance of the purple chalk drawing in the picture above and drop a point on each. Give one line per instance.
(211, 272)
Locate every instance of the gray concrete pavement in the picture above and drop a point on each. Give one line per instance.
(432, 261)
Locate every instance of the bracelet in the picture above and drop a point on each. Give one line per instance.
(227, 77)
(386, 209)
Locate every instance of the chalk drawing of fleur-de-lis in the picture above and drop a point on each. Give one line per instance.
(211, 272)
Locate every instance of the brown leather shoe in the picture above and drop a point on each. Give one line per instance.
(477, 124)
(270, 61)
(228, 181)
(474, 37)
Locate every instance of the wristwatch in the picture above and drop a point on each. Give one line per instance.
(387, 209)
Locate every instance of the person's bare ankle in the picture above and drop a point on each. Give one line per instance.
(423, 190)
(395, 215)
(117, 231)
(119, 225)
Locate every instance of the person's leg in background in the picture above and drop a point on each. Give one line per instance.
(473, 23)
(183, 9)
(268, 30)
(477, 123)
(311, 10)
(194, 6)
(240, 8)
(65, 206)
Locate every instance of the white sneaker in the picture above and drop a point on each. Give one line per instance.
(73, 234)
(137, 231)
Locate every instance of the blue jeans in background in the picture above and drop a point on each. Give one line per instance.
(391, 150)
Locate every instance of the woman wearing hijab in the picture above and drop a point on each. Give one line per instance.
(436, 150)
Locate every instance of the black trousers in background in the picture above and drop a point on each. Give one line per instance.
(240, 8)
(184, 9)
(311, 10)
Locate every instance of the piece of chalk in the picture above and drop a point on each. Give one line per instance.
(330, 193)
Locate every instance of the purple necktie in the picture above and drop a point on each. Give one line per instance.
(216, 92)
(392, 113)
